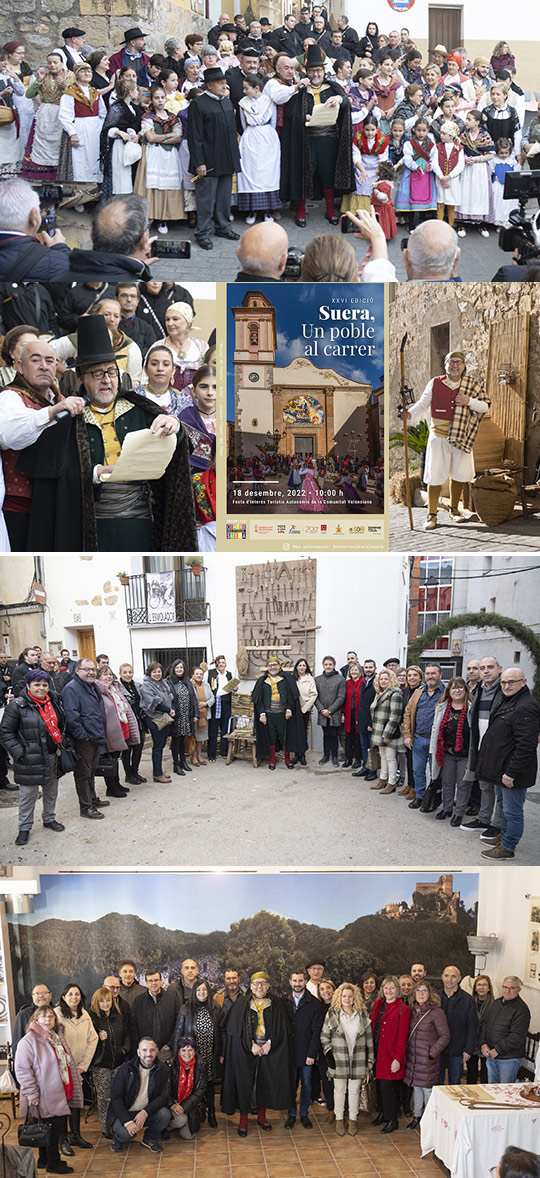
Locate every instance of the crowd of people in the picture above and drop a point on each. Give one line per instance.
(249, 120)
(83, 366)
(149, 1055)
(463, 751)
(313, 484)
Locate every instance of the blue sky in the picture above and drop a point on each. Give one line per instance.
(298, 303)
(217, 899)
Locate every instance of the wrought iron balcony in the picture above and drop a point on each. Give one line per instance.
(190, 604)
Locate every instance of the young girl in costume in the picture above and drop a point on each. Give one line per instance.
(388, 91)
(476, 197)
(199, 419)
(159, 175)
(381, 199)
(370, 146)
(502, 163)
(448, 163)
(417, 193)
(260, 157)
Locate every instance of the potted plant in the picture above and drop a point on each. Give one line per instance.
(195, 564)
(123, 578)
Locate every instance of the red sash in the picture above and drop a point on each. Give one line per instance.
(421, 151)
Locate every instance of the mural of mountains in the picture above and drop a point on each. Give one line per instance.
(57, 951)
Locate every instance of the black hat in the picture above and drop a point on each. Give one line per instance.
(67, 33)
(314, 57)
(264, 21)
(229, 29)
(392, 660)
(93, 342)
(132, 34)
(316, 961)
(214, 74)
(249, 50)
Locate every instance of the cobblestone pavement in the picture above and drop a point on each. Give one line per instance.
(520, 534)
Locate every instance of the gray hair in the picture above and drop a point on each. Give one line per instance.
(251, 265)
(511, 977)
(17, 200)
(208, 49)
(172, 43)
(425, 254)
(119, 224)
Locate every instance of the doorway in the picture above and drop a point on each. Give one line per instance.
(304, 445)
(87, 644)
(445, 28)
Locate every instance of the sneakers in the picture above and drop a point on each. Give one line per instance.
(268, 217)
(475, 826)
(251, 219)
(462, 232)
(484, 233)
(430, 522)
(498, 852)
(153, 1146)
(493, 834)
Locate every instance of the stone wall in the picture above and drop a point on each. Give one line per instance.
(469, 308)
(38, 24)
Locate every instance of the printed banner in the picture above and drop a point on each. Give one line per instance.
(160, 597)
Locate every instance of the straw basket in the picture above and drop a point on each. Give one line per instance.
(494, 496)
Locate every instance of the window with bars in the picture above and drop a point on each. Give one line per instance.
(191, 657)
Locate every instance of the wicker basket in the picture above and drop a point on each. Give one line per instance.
(494, 497)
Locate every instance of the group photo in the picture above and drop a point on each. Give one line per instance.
(300, 124)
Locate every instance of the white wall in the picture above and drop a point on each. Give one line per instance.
(83, 592)
(514, 592)
(505, 21)
(504, 909)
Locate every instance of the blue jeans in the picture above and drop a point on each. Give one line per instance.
(511, 802)
(454, 1063)
(365, 741)
(302, 1075)
(420, 758)
(219, 725)
(153, 1127)
(502, 1071)
(159, 740)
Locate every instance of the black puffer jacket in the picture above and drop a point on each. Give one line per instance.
(24, 735)
(510, 742)
(112, 1051)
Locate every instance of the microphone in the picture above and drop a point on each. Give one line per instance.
(64, 413)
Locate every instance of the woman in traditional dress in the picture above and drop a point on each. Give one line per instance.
(187, 352)
(22, 72)
(176, 101)
(101, 74)
(157, 381)
(500, 120)
(11, 142)
(388, 91)
(43, 147)
(81, 113)
(121, 126)
(311, 498)
(260, 159)
(199, 419)
(159, 175)
(476, 197)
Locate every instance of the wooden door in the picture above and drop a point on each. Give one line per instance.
(445, 28)
(87, 644)
(506, 382)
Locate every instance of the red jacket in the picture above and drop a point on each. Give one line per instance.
(351, 684)
(116, 61)
(393, 1037)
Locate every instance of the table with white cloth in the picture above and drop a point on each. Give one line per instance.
(469, 1141)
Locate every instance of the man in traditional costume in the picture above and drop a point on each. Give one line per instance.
(453, 404)
(214, 157)
(257, 1065)
(278, 717)
(316, 161)
(72, 508)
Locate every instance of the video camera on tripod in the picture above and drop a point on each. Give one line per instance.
(523, 234)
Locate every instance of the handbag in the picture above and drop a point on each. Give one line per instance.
(162, 720)
(67, 758)
(106, 766)
(368, 1097)
(433, 795)
(374, 759)
(132, 153)
(34, 1134)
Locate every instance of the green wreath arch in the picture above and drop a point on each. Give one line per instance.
(482, 621)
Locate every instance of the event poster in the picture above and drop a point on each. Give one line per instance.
(305, 382)
(532, 956)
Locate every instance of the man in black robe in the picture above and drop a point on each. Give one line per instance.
(278, 716)
(214, 156)
(316, 161)
(250, 60)
(257, 1063)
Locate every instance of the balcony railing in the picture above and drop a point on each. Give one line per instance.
(190, 604)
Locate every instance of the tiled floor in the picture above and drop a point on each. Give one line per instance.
(300, 1153)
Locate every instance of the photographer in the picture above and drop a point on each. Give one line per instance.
(25, 252)
(262, 253)
(121, 242)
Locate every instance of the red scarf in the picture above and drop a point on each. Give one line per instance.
(459, 737)
(49, 717)
(447, 163)
(420, 151)
(186, 1077)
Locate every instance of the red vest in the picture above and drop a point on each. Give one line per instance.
(447, 163)
(442, 401)
(18, 486)
(82, 111)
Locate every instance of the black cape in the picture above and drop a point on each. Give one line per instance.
(266, 1079)
(295, 730)
(296, 178)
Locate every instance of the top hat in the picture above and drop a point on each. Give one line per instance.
(93, 342)
(214, 74)
(314, 57)
(132, 34)
(73, 32)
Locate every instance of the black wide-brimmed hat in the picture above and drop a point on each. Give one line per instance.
(314, 57)
(93, 342)
(214, 74)
(73, 32)
(249, 50)
(132, 34)
(229, 29)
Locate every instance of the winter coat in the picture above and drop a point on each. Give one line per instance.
(367, 695)
(307, 1020)
(505, 1027)
(24, 736)
(38, 1075)
(386, 716)
(295, 729)
(193, 1104)
(460, 1012)
(482, 1006)
(331, 692)
(409, 715)
(432, 767)
(307, 691)
(125, 1088)
(333, 1042)
(156, 1020)
(186, 1025)
(193, 705)
(81, 1037)
(429, 1034)
(85, 711)
(115, 739)
(112, 1051)
(156, 697)
(472, 717)
(394, 1029)
(354, 693)
(510, 743)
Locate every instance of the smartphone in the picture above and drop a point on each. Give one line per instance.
(345, 224)
(171, 249)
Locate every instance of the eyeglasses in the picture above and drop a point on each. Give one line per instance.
(101, 373)
(511, 682)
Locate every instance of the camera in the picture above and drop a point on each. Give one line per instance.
(50, 197)
(293, 265)
(523, 234)
(171, 249)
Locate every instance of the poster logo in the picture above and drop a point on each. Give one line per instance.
(236, 532)
(401, 5)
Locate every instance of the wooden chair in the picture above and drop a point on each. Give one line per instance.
(532, 1043)
(6, 1064)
